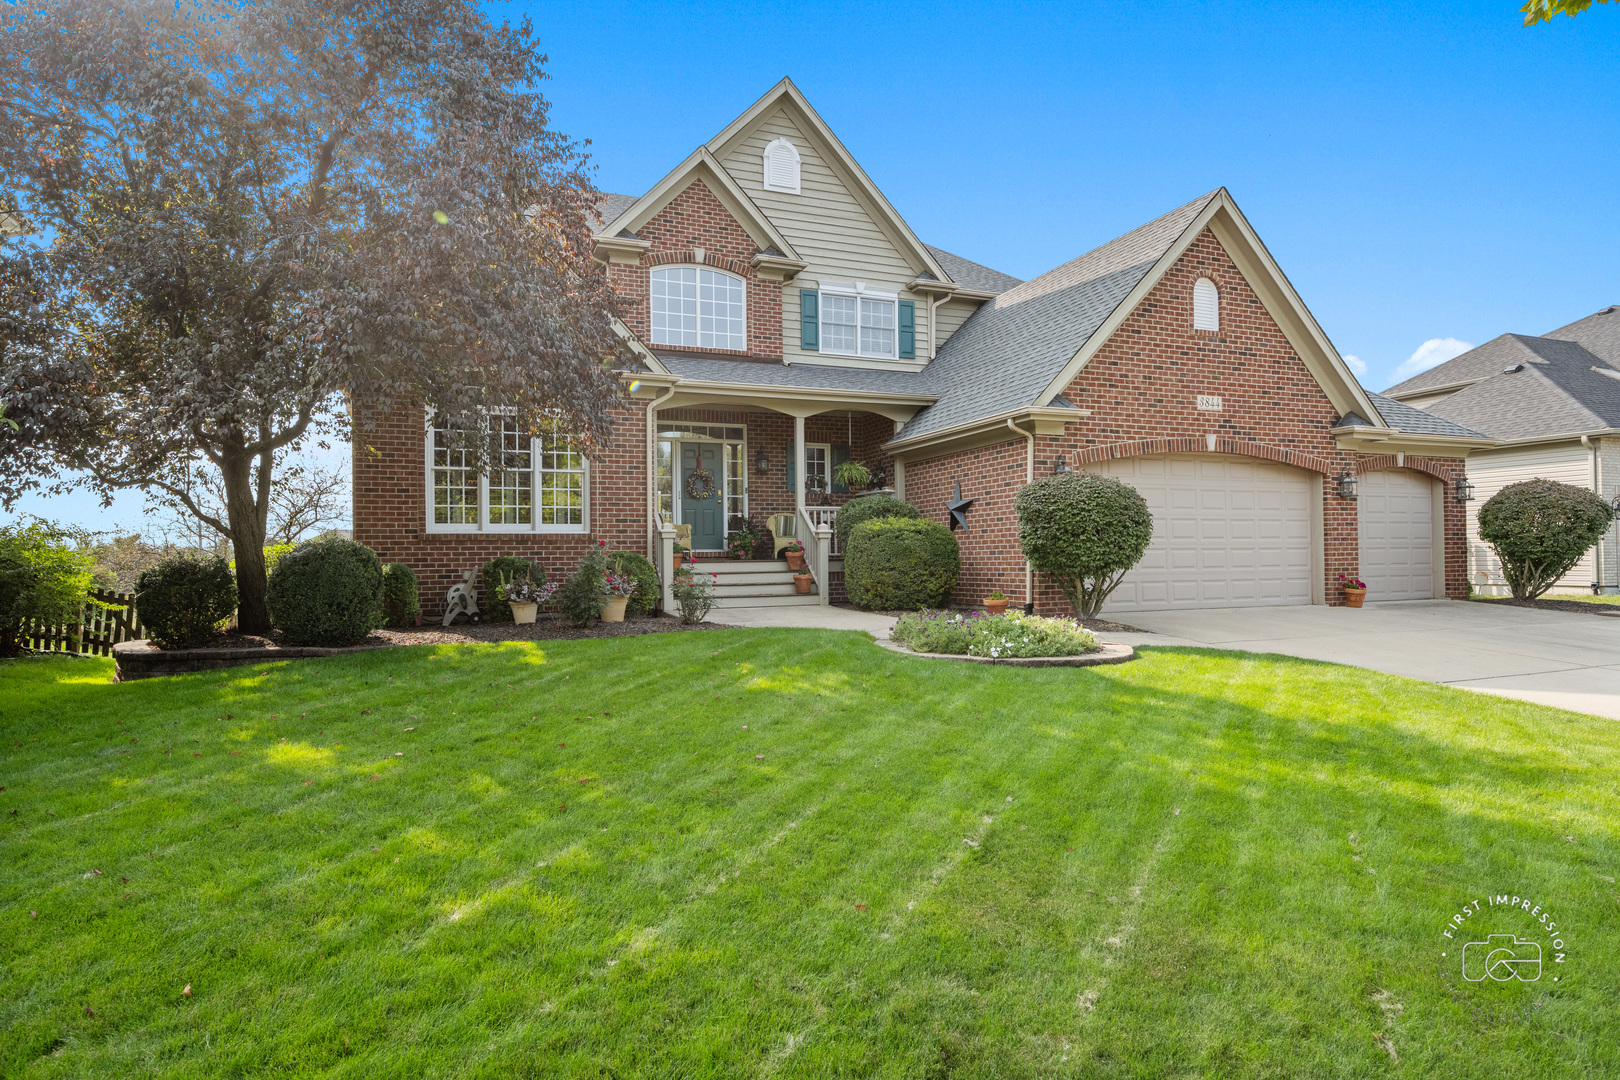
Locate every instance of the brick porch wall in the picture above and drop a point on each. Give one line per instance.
(390, 506)
(1142, 388)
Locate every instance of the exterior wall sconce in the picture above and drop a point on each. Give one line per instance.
(1465, 490)
(1059, 466)
(1347, 485)
(762, 462)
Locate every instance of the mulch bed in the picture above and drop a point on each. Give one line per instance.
(1611, 611)
(543, 629)
(1099, 625)
(236, 639)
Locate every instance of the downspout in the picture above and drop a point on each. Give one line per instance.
(933, 324)
(652, 472)
(1597, 489)
(1029, 571)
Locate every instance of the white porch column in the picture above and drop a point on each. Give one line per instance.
(899, 479)
(798, 463)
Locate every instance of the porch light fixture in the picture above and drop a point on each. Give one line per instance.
(1465, 490)
(1059, 466)
(1347, 485)
(762, 462)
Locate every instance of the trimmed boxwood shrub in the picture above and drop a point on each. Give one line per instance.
(400, 602)
(509, 566)
(1084, 531)
(1540, 529)
(181, 600)
(644, 601)
(901, 564)
(326, 592)
(866, 508)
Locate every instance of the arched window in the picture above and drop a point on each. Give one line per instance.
(782, 166)
(698, 308)
(1206, 305)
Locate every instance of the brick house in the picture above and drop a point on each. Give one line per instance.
(786, 318)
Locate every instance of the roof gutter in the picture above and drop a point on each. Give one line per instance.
(1043, 417)
(1562, 436)
(1359, 433)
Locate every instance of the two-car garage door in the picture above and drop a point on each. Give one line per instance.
(1227, 532)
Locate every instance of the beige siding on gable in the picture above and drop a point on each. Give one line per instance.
(828, 227)
(1491, 471)
(952, 314)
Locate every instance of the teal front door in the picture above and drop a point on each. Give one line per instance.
(706, 516)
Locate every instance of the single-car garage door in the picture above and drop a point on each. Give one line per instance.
(1396, 512)
(1227, 532)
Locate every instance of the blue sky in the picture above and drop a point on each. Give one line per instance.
(1428, 175)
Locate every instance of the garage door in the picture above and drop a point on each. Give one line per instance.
(1396, 510)
(1227, 532)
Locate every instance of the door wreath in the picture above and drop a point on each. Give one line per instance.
(700, 485)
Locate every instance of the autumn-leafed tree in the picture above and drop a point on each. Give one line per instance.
(240, 221)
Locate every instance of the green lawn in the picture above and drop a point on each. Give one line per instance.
(750, 853)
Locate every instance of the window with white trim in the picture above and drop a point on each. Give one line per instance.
(1206, 305)
(858, 321)
(817, 466)
(534, 483)
(698, 308)
(782, 166)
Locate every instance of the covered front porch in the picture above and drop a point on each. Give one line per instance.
(723, 457)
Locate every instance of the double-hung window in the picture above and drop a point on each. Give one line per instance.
(533, 483)
(695, 307)
(858, 321)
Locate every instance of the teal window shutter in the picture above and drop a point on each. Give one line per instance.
(792, 466)
(908, 329)
(839, 454)
(809, 319)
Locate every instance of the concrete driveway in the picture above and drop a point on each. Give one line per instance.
(1565, 659)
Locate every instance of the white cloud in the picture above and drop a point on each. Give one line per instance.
(1431, 353)
(1356, 364)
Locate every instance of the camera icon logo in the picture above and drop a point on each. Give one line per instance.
(1501, 957)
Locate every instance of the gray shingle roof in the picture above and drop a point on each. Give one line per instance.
(973, 275)
(612, 206)
(1599, 332)
(1477, 363)
(1416, 421)
(1556, 392)
(1009, 351)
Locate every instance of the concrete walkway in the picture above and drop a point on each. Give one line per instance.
(808, 616)
(1565, 659)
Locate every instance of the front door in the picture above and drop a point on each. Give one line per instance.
(706, 515)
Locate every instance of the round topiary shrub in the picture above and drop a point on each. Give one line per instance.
(866, 508)
(901, 564)
(1084, 531)
(510, 567)
(181, 600)
(400, 600)
(644, 601)
(1540, 529)
(326, 592)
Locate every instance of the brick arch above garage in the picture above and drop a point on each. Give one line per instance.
(1200, 444)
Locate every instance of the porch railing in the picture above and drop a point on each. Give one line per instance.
(825, 517)
(817, 539)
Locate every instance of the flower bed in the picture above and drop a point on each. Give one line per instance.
(995, 637)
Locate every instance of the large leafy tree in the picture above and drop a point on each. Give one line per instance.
(249, 222)
(1537, 11)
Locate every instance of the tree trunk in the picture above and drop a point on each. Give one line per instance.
(247, 543)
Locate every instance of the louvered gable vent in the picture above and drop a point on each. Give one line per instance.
(1206, 305)
(782, 166)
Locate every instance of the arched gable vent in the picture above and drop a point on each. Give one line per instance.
(1206, 305)
(782, 166)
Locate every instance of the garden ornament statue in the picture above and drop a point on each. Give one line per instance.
(461, 599)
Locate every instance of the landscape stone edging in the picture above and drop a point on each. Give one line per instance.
(1110, 653)
(140, 659)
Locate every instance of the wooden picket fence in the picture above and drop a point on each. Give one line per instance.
(96, 630)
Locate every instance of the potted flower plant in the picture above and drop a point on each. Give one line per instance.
(680, 553)
(801, 580)
(1355, 590)
(996, 603)
(617, 588)
(794, 553)
(852, 475)
(523, 596)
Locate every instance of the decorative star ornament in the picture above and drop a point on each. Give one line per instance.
(959, 509)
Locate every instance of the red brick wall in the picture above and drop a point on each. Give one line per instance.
(1141, 388)
(391, 495)
(696, 219)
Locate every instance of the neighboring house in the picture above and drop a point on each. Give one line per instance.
(1553, 405)
(786, 317)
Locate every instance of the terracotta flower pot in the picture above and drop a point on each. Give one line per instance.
(801, 582)
(795, 560)
(995, 607)
(1354, 597)
(523, 612)
(679, 555)
(613, 608)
